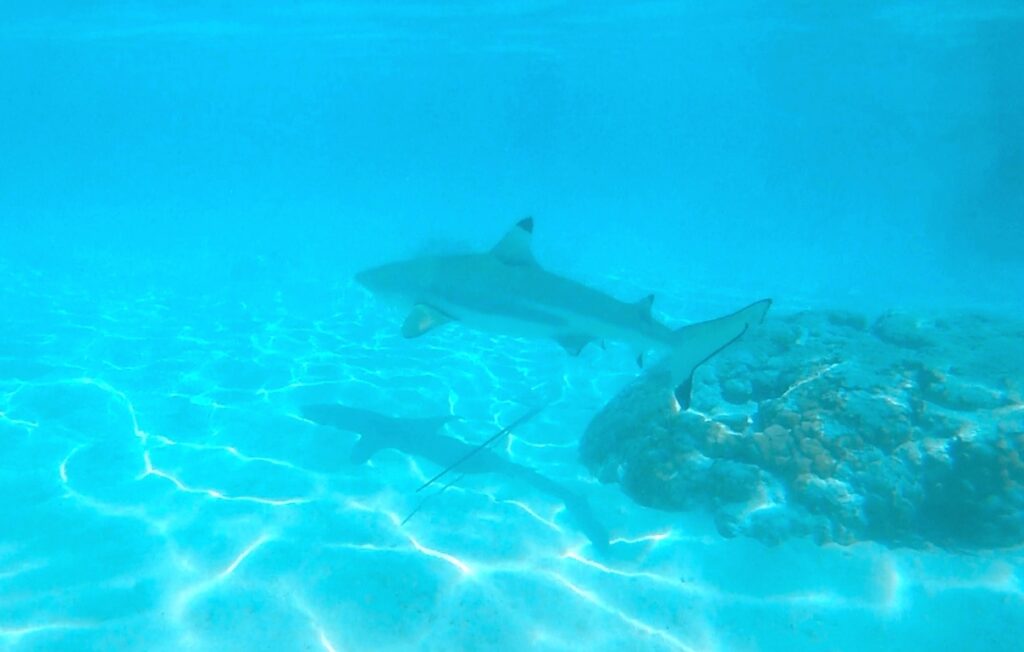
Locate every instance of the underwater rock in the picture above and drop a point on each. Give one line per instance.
(847, 319)
(737, 390)
(902, 330)
(950, 392)
(908, 433)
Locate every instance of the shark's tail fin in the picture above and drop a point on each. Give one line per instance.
(698, 343)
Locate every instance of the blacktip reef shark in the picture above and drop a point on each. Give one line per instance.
(422, 438)
(505, 290)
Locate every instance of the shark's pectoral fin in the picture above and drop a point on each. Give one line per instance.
(364, 449)
(573, 344)
(422, 319)
(515, 248)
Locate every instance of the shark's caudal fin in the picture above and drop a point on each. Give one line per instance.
(698, 343)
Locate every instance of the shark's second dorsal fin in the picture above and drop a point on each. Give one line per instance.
(644, 306)
(514, 248)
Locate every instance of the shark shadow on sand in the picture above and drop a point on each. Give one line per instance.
(422, 438)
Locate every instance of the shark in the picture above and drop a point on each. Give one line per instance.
(505, 290)
(422, 438)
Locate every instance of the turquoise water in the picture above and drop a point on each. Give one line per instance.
(186, 194)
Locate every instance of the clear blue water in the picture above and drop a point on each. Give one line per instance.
(186, 193)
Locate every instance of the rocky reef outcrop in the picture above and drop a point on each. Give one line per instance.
(908, 430)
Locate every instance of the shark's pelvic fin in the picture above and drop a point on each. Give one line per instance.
(515, 248)
(422, 319)
(573, 344)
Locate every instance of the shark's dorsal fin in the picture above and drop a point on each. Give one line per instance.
(644, 306)
(515, 248)
(423, 318)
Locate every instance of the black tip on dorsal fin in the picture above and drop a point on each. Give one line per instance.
(514, 248)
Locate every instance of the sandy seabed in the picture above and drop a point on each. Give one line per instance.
(161, 490)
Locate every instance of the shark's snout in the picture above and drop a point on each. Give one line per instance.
(394, 280)
(374, 279)
(362, 278)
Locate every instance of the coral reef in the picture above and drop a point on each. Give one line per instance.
(908, 431)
